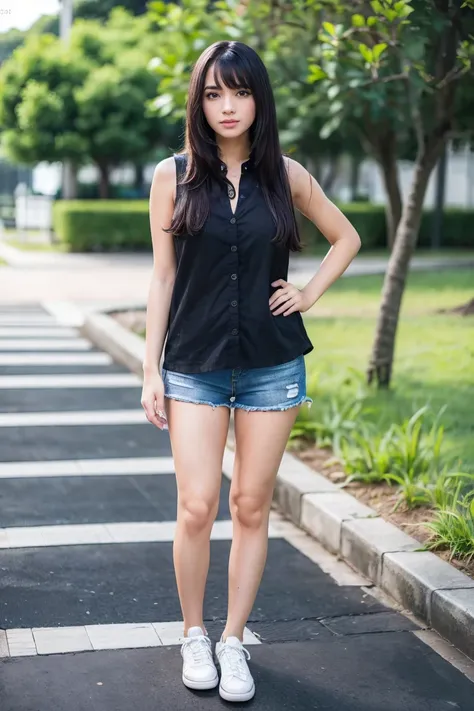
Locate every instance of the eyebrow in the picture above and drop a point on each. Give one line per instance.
(213, 86)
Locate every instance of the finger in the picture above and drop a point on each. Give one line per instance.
(151, 414)
(276, 295)
(278, 282)
(283, 296)
(283, 307)
(160, 410)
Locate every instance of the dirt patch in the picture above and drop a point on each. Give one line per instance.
(463, 310)
(380, 497)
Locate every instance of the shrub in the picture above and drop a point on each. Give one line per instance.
(369, 221)
(102, 225)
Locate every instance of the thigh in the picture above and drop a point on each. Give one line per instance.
(260, 441)
(198, 435)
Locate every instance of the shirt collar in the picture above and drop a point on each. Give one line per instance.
(247, 165)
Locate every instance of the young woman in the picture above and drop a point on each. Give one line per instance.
(223, 223)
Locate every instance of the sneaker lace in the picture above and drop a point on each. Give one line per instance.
(199, 647)
(235, 658)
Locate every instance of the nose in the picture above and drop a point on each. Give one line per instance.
(228, 104)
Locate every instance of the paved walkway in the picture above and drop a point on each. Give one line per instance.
(90, 617)
(124, 277)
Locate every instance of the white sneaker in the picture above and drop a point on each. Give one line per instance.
(199, 670)
(237, 683)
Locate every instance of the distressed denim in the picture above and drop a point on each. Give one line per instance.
(276, 387)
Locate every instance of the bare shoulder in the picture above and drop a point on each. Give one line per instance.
(298, 176)
(164, 177)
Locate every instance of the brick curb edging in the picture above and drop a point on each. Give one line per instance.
(431, 588)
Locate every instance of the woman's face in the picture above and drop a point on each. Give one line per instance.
(223, 104)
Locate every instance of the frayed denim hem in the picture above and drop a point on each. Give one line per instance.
(276, 408)
(272, 408)
(198, 402)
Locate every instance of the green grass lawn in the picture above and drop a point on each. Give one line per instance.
(434, 356)
(35, 246)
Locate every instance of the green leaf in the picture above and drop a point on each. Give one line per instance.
(371, 21)
(358, 20)
(316, 73)
(330, 29)
(366, 53)
(378, 49)
(376, 6)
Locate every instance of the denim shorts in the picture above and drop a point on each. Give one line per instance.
(275, 387)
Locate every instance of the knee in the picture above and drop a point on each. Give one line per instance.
(248, 510)
(197, 515)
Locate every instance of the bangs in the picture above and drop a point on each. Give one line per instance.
(232, 73)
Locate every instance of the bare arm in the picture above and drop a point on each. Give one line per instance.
(162, 196)
(310, 199)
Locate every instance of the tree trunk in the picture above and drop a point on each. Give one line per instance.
(331, 175)
(381, 360)
(387, 155)
(139, 182)
(354, 177)
(103, 181)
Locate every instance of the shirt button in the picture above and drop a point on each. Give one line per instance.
(232, 221)
(233, 248)
(233, 276)
(234, 331)
(233, 303)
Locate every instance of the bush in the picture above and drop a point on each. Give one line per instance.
(110, 225)
(102, 225)
(369, 221)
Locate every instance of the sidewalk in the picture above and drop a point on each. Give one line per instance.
(36, 276)
(90, 617)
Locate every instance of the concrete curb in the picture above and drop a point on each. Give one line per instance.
(423, 583)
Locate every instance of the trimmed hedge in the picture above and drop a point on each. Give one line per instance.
(113, 225)
(102, 225)
(369, 221)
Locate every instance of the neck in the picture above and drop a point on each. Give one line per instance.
(232, 152)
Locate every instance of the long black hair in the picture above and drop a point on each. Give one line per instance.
(239, 66)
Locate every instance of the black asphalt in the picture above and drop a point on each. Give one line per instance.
(324, 646)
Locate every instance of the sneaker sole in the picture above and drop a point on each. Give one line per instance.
(237, 697)
(201, 685)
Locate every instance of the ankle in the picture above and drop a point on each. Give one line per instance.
(197, 624)
(231, 633)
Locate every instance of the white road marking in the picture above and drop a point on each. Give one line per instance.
(79, 380)
(131, 466)
(55, 359)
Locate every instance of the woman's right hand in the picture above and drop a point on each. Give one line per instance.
(153, 401)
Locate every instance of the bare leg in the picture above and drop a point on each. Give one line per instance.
(198, 434)
(260, 441)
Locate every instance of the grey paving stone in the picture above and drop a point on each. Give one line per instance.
(368, 624)
(365, 541)
(412, 577)
(452, 615)
(322, 516)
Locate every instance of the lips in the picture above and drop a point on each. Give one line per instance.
(229, 123)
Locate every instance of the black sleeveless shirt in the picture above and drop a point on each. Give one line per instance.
(220, 315)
